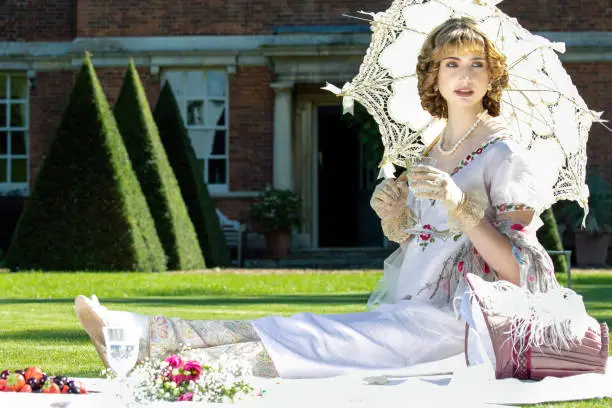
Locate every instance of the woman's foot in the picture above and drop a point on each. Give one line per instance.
(90, 314)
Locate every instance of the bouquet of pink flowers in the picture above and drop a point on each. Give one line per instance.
(173, 379)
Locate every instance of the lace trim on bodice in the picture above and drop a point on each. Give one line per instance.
(477, 152)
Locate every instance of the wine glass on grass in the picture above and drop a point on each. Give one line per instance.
(122, 346)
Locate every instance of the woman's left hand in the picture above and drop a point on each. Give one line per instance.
(435, 184)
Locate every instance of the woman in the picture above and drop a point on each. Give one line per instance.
(479, 208)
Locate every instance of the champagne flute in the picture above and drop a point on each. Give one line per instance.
(122, 346)
(412, 162)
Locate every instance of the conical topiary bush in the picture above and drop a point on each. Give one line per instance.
(141, 138)
(195, 193)
(548, 235)
(86, 211)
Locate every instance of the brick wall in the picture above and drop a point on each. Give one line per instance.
(191, 17)
(53, 20)
(561, 15)
(593, 81)
(251, 123)
(50, 97)
(112, 79)
(47, 103)
(234, 208)
(37, 20)
(251, 98)
(251, 129)
(251, 120)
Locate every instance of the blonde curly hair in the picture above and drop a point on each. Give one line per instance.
(458, 34)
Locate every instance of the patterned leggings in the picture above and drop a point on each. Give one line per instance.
(209, 339)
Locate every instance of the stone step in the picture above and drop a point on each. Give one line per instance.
(336, 258)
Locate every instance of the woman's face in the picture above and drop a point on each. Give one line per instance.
(463, 79)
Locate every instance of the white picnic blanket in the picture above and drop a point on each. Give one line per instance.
(416, 386)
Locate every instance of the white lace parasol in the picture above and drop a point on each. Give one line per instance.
(541, 104)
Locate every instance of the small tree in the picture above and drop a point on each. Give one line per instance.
(548, 235)
(195, 193)
(86, 211)
(156, 177)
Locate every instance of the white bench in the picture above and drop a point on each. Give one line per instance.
(235, 236)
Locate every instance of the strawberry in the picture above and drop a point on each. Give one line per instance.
(33, 372)
(80, 387)
(26, 388)
(14, 382)
(65, 389)
(50, 388)
(2, 385)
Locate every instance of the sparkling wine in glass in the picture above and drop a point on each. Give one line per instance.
(122, 346)
(419, 203)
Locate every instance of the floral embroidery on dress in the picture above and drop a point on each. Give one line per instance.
(171, 335)
(536, 268)
(476, 153)
(510, 207)
(430, 234)
(521, 257)
(209, 338)
(161, 337)
(252, 351)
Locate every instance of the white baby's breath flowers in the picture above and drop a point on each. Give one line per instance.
(224, 380)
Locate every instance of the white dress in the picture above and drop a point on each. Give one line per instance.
(414, 319)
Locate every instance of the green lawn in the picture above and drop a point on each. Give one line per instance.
(38, 324)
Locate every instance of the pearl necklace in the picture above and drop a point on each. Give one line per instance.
(463, 138)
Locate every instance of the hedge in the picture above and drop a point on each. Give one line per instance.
(86, 210)
(182, 157)
(160, 187)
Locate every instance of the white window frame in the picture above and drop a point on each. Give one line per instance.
(9, 186)
(183, 97)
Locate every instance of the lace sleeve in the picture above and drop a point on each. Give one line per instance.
(395, 229)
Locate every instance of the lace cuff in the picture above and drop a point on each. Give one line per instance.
(395, 228)
(469, 212)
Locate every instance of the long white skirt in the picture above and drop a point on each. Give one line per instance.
(308, 345)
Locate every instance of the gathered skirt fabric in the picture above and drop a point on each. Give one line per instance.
(410, 332)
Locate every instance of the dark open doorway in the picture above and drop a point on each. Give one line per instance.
(345, 218)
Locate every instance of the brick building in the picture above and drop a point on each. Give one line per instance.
(248, 75)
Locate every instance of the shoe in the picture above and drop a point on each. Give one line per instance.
(90, 314)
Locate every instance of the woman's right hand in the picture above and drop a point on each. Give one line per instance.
(389, 197)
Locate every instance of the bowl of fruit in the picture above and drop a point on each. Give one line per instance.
(33, 379)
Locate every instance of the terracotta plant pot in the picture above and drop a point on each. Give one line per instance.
(592, 249)
(278, 243)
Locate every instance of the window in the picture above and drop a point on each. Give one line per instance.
(202, 98)
(14, 140)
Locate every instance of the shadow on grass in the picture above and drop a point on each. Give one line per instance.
(41, 301)
(49, 336)
(598, 307)
(335, 299)
(188, 291)
(591, 279)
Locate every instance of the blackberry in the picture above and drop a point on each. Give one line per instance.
(32, 382)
